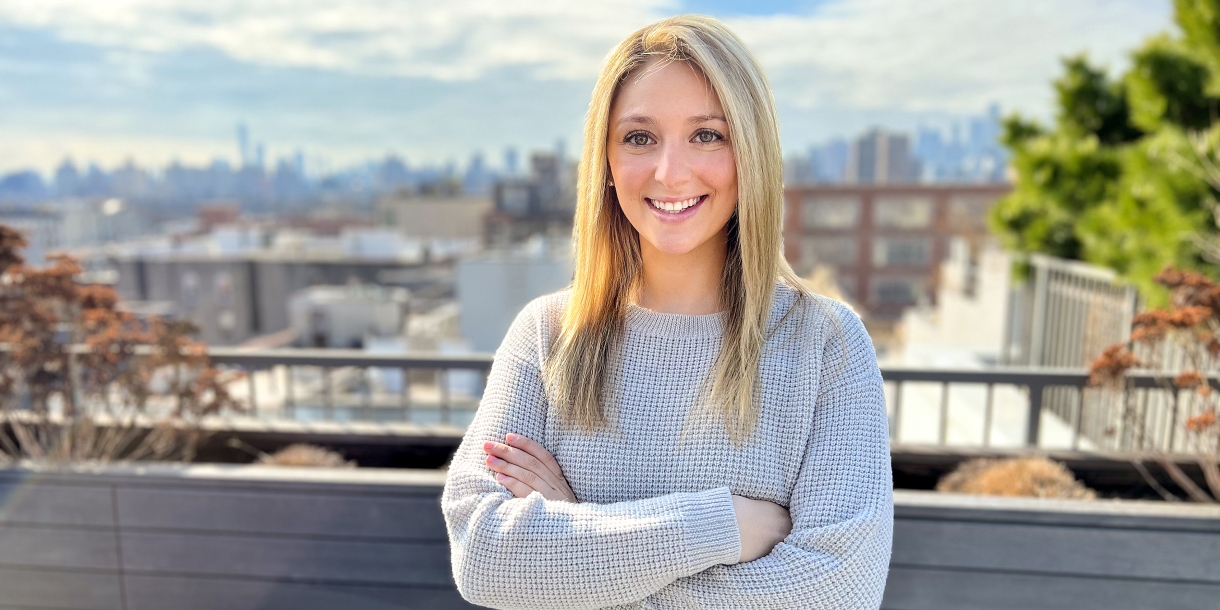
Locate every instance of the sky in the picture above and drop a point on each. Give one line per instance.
(434, 81)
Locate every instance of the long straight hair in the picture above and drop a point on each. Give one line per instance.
(607, 248)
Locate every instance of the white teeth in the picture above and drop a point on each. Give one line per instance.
(674, 206)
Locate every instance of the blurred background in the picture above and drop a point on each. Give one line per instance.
(190, 152)
(343, 206)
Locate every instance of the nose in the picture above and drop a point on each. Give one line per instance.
(673, 166)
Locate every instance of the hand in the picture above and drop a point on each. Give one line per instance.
(762, 525)
(524, 466)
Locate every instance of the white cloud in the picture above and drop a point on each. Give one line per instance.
(438, 39)
(848, 63)
(948, 55)
(943, 55)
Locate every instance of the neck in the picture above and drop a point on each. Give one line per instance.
(687, 283)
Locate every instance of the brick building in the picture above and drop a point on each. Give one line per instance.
(884, 242)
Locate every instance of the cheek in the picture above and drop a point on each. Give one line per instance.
(719, 171)
(631, 172)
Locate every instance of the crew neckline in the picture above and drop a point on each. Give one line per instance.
(674, 325)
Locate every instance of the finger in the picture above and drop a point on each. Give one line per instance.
(518, 457)
(518, 489)
(528, 477)
(535, 449)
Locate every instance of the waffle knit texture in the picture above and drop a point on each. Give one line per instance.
(654, 525)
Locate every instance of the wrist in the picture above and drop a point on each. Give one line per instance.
(712, 534)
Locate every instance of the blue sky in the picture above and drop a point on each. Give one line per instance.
(155, 80)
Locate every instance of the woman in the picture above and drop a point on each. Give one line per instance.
(685, 426)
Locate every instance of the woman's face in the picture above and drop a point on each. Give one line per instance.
(671, 159)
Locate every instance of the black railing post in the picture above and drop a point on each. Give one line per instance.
(289, 400)
(253, 396)
(368, 374)
(406, 394)
(942, 432)
(328, 399)
(443, 376)
(1035, 414)
(987, 415)
(897, 411)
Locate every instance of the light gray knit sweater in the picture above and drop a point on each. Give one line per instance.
(654, 526)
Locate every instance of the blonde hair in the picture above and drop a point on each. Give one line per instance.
(608, 260)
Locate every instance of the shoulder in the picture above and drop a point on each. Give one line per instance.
(814, 320)
(535, 325)
(547, 309)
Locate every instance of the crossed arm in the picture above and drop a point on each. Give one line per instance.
(523, 466)
(514, 548)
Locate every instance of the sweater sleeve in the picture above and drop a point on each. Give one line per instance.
(536, 553)
(837, 556)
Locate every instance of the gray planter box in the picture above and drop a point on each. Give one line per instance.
(238, 537)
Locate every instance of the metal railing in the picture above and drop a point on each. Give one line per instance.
(1144, 414)
(338, 387)
(1010, 402)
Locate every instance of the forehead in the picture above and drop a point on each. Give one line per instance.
(660, 89)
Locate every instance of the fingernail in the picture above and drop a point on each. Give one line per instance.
(494, 460)
(512, 438)
(501, 477)
(488, 446)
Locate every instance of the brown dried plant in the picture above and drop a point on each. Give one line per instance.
(1191, 326)
(304, 454)
(1036, 477)
(81, 379)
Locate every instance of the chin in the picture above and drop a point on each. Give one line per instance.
(675, 247)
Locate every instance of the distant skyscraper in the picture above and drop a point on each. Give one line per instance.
(259, 156)
(510, 161)
(879, 157)
(830, 161)
(478, 179)
(243, 144)
(67, 179)
(972, 155)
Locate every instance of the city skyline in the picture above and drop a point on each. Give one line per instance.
(967, 152)
(161, 82)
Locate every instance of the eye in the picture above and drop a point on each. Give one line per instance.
(707, 136)
(638, 138)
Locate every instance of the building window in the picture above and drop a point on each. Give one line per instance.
(896, 212)
(969, 212)
(833, 251)
(515, 198)
(222, 284)
(830, 212)
(902, 252)
(226, 319)
(896, 291)
(189, 288)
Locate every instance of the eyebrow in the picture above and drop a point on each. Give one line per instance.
(638, 118)
(647, 120)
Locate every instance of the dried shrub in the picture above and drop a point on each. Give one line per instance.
(1188, 379)
(1035, 477)
(304, 454)
(1201, 423)
(82, 380)
(1191, 326)
(1113, 363)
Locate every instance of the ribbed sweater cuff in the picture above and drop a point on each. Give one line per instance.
(712, 537)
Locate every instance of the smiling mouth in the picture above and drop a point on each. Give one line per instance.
(674, 207)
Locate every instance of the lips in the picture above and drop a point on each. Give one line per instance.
(675, 207)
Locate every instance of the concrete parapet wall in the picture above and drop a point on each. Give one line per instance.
(237, 537)
(203, 537)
